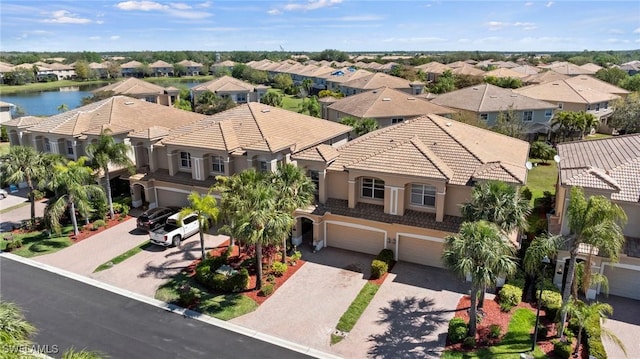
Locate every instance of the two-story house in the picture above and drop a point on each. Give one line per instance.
(142, 90)
(192, 68)
(433, 70)
(161, 69)
(608, 167)
(172, 163)
(376, 80)
(131, 68)
(487, 102)
(226, 86)
(400, 187)
(386, 105)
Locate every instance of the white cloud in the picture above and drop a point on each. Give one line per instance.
(99, 22)
(636, 31)
(529, 3)
(114, 37)
(464, 41)
(360, 18)
(141, 6)
(65, 17)
(180, 6)
(615, 31)
(94, 37)
(274, 12)
(311, 5)
(205, 4)
(617, 41)
(549, 4)
(499, 25)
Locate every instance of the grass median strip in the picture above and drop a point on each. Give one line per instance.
(349, 319)
(124, 256)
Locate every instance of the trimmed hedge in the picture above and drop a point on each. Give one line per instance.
(278, 269)
(593, 332)
(562, 349)
(378, 269)
(266, 290)
(207, 276)
(457, 331)
(386, 255)
(551, 301)
(509, 297)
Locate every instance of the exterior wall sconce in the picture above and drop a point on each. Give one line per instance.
(391, 240)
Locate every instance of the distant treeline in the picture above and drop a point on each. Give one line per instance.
(602, 58)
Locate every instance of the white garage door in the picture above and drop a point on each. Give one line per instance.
(421, 251)
(171, 198)
(623, 281)
(355, 239)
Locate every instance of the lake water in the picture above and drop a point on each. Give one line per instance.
(46, 103)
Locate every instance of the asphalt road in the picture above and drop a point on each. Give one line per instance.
(69, 313)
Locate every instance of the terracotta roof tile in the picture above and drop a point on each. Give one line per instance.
(132, 86)
(567, 90)
(377, 80)
(224, 83)
(489, 98)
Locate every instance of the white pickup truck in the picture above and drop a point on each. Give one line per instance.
(173, 232)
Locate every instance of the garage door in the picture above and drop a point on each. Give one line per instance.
(171, 198)
(623, 281)
(421, 251)
(355, 239)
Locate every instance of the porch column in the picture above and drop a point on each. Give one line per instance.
(227, 163)
(440, 205)
(173, 163)
(322, 187)
(352, 194)
(249, 163)
(273, 165)
(197, 170)
(318, 243)
(74, 145)
(152, 159)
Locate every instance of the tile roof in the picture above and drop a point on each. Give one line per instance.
(434, 67)
(591, 67)
(131, 65)
(24, 121)
(567, 68)
(377, 80)
(224, 84)
(132, 86)
(121, 113)
(566, 90)
(608, 164)
(504, 72)
(437, 145)
(386, 102)
(526, 70)
(256, 126)
(489, 98)
(189, 63)
(467, 69)
(596, 84)
(544, 76)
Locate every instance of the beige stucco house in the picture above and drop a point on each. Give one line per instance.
(226, 86)
(608, 167)
(142, 90)
(401, 187)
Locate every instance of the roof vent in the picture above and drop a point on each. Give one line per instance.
(449, 124)
(265, 110)
(411, 98)
(475, 88)
(493, 96)
(514, 95)
(386, 99)
(129, 103)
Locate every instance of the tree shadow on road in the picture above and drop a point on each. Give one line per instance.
(410, 322)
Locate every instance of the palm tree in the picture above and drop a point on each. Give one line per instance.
(77, 182)
(25, 164)
(498, 203)
(107, 152)
(295, 190)
(481, 251)
(582, 313)
(597, 222)
(206, 208)
(542, 246)
(14, 329)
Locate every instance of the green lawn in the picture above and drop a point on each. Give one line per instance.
(597, 136)
(124, 256)
(176, 81)
(4, 148)
(517, 340)
(37, 243)
(222, 306)
(349, 319)
(289, 102)
(542, 178)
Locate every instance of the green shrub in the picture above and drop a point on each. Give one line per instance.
(238, 282)
(526, 193)
(551, 301)
(270, 278)
(295, 257)
(509, 297)
(386, 255)
(266, 290)
(457, 330)
(97, 224)
(593, 332)
(517, 280)
(378, 269)
(13, 244)
(495, 331)
(188, 295)
(279, 269)
(469, 342)
(38, 195)
(562, 349)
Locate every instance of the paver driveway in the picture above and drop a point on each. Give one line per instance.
(625, 324)
(408, 317)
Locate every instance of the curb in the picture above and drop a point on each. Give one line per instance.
(176, 309)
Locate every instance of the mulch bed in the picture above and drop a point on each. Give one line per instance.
(236, 258)
(493, 315)
(87, 231)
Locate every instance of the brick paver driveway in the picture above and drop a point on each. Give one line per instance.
(408, 317)
(625, 324)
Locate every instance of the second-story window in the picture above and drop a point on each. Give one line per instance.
(372, 188)
(397, 120)
(69, 148)
(47, 145)
(548, 113)
(217, 164)
(262, 166)
(527, 116)
(423, 195)
(315, 178)
(241, 98)
(484, 116)
(185, 160)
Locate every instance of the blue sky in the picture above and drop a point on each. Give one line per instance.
(314, 25)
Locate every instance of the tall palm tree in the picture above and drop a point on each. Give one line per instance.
(481, 251)
(107, 152)
(498, 203)
(25, 164)
(295, 190)
(595, 221)
(206, 208)
(77, 183)
(542, 246)
(582, 313)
